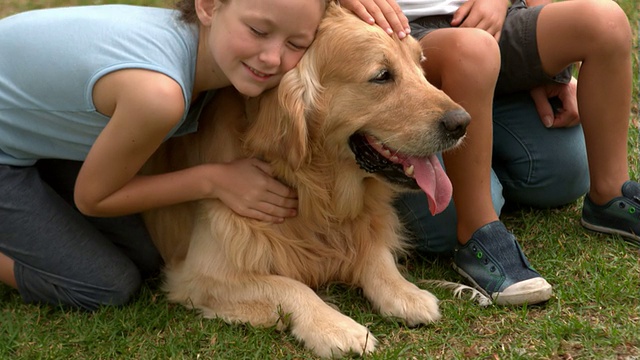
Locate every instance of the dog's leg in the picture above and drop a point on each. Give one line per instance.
(325, 331)
(210, 280)
(275, 300)
(392, 294)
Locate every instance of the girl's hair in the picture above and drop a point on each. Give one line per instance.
(187, 9)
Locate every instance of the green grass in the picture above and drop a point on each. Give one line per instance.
(594, 314)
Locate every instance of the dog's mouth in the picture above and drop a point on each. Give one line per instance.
(411, 172)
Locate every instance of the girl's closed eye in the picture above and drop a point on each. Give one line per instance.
(257, 32)
(298, 46)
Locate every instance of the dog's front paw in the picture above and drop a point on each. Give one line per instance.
(413, 305)
(334, 336)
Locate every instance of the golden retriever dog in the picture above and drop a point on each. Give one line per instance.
(354, 123)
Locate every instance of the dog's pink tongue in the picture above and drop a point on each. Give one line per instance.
(432, 179)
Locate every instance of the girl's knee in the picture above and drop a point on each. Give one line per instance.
(120, 291)
(112, 286)
(115, 288)
(116, 295)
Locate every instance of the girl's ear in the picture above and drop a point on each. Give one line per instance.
(205, 10)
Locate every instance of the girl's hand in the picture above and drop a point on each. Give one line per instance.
(565, 116)
(488, 15)
(248, 188)
(386, 13)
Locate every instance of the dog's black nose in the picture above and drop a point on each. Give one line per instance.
(455, 122)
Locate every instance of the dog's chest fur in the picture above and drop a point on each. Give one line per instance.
(337, 222)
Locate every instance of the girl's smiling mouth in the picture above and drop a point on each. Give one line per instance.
(257, 74)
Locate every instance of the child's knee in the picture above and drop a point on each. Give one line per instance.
(479, 50)
(114, 288)
(119, 292)
(604, 22)
(462, 57)
(473, 59)
(569, 182)
(614, 26)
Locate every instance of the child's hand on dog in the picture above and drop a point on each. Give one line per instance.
(385, 13)
(248, 188)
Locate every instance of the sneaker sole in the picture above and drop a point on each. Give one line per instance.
(629, 237)
(532, 295)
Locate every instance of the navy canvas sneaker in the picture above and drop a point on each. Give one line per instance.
(619, 216)
(493, 262)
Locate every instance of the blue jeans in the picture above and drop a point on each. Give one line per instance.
(532, 166)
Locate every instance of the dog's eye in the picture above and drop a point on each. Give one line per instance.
(384, 76)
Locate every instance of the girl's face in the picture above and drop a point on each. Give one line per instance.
(254, 42)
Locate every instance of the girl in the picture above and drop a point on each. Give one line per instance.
(87, 94)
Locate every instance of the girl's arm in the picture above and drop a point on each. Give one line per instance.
(144, 106)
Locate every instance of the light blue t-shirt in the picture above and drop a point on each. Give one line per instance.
(51, 59)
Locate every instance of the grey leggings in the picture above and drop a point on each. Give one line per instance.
(61, 256)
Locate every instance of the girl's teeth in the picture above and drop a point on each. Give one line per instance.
(258, 72)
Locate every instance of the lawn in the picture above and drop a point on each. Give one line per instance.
(594, 313)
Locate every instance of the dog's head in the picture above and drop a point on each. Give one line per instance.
(361, 95)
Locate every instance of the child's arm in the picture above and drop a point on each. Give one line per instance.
(144, 106)
(386, 13)
(487, 15)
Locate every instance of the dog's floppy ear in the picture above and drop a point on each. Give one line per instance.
(280, 129)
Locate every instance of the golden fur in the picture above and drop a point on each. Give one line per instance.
(243, 270)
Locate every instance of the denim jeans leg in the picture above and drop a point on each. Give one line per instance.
(436, 235)
(537, 166)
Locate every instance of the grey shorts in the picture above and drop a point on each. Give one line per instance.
(521, 68)
(61, 256)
